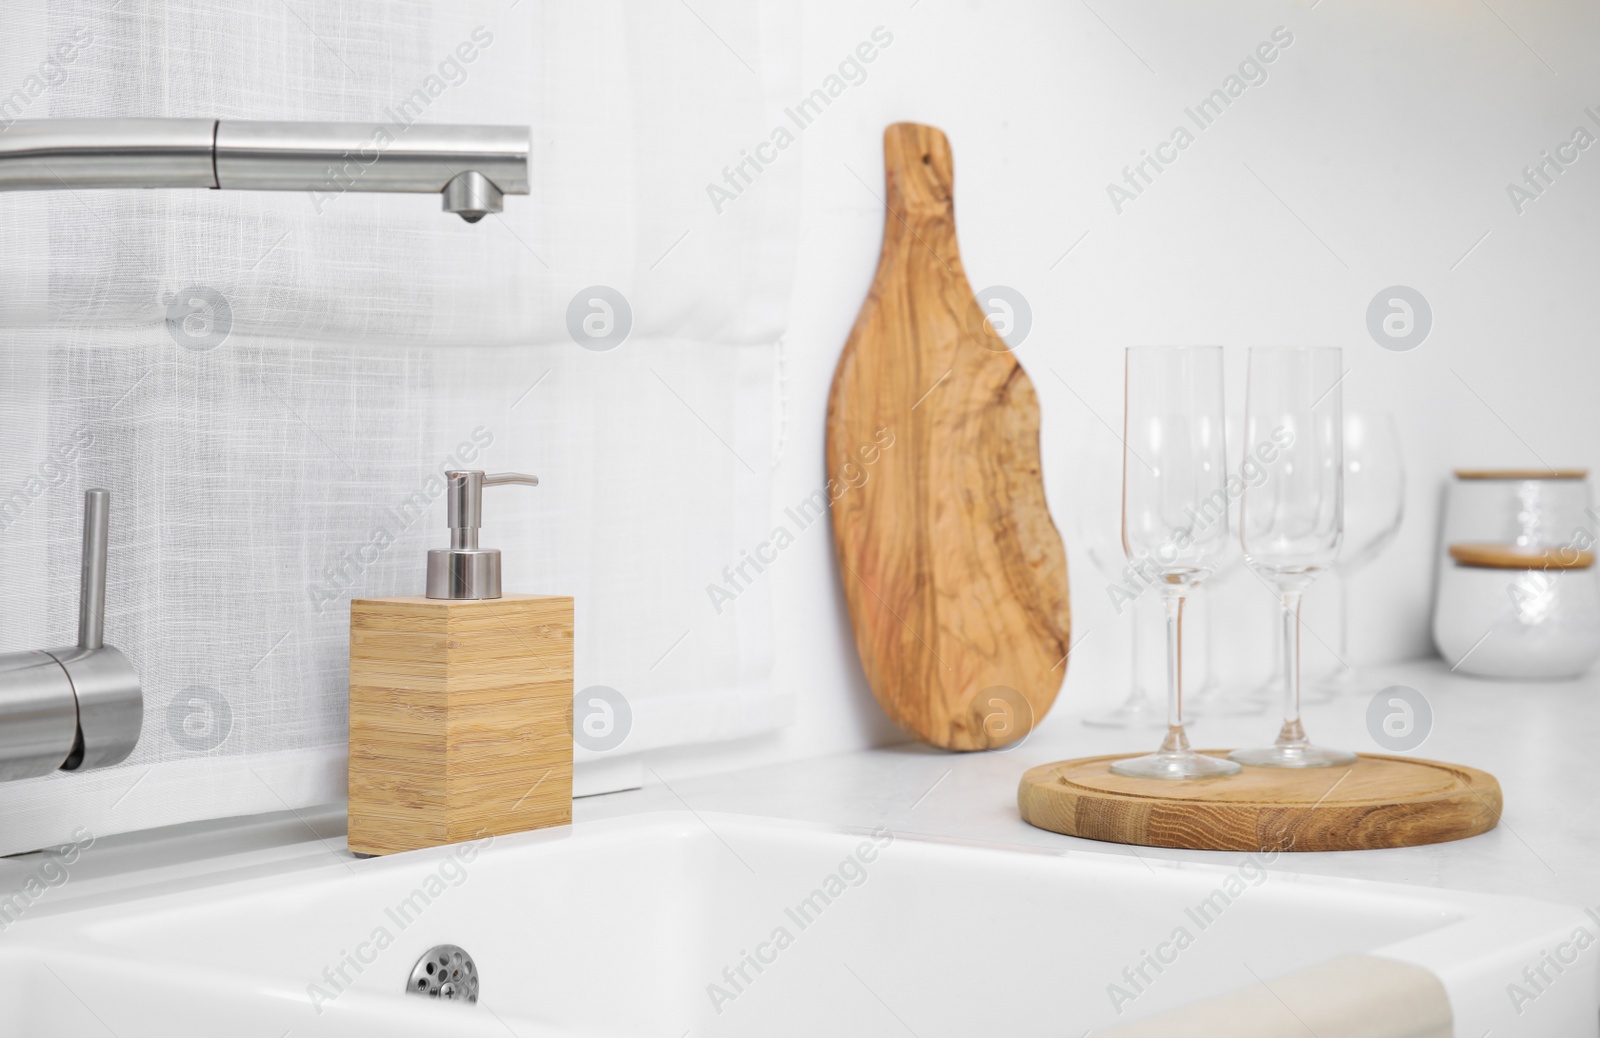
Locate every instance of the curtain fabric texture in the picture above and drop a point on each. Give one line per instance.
(271, 384)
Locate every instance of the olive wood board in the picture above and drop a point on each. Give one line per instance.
(954, 573)
(1379, 801)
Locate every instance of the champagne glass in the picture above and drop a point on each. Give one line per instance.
(1097, 518)
(1374, 504)
(1270, 690)
(1291, 520)
(1210, 699)
(1174, 513)
(1138, 709)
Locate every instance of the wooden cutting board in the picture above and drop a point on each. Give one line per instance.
(1379, 801)
(954, 573)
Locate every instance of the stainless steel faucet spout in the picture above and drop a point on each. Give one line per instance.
(472, 167)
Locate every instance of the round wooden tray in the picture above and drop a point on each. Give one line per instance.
(1376, 802)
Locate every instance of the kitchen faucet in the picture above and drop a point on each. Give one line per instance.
(79, 707)
(472, 167)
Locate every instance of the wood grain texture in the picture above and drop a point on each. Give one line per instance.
(1522, 474)
(1379, 801)
(1511, 556)
(460, 719)
(955, 575)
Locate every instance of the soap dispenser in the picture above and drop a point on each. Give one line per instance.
(460, 699)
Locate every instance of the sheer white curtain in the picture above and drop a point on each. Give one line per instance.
(269, 383)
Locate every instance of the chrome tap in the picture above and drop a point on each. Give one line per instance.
(472, 167)
(78, 707)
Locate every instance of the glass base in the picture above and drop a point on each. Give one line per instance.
(1293, 755)
(1137, 711)
(1175, 764)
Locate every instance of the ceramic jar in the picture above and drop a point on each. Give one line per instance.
(1518, 594)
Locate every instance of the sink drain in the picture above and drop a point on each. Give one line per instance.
(445, 971)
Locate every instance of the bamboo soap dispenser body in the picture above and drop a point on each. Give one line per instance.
(460, 700)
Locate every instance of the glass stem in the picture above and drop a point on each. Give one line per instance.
(1344, 620)
(1278, 650)
(1176, 741)
(1293, 733)
(1135, 686)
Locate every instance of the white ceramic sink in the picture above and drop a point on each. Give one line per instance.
(641, 926)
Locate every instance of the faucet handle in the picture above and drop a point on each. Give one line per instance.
(81, 706)
(110, 700)
(92, 585)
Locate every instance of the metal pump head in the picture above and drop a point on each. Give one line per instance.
(464, 570)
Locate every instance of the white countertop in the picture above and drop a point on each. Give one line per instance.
(1541, 740)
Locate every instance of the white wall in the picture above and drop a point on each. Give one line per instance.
(270, 383)
(1381, 146)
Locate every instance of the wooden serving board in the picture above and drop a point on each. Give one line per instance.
(1378, 801)
(954, 573)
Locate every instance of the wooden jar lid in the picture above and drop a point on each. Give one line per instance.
(1521, 474)
(1512, 556)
